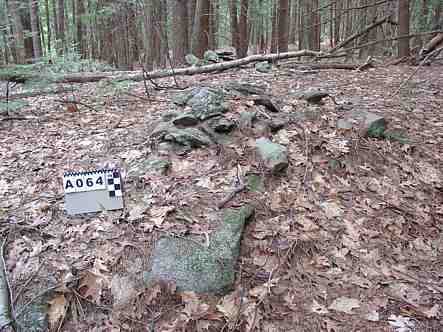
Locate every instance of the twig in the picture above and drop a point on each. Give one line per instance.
(230, 196)
(417, 69)
(64, 101)
(27, 283)
(22, 309)
(6, 306)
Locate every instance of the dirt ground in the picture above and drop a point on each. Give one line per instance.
(350, 238)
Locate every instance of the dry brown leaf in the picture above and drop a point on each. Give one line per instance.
(158, 214)
(229, 306)
(194, 307)
(57, 310)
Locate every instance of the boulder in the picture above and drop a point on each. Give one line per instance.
(204, 102)
(198, 268)
(192, 137)
(221, 125)
(369, 124)
(185, 120)
(151, 165)
(246, 88)
(274, 156)
(263, 67)
(267, 102)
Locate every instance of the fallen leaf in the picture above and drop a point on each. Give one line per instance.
(57, 310)
(229, 306)
(345, 304)
(158, 214)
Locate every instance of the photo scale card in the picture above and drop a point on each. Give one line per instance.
(93, 191)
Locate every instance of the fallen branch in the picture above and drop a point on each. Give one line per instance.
(360, 33)
(137, 76)
(416, 70)
(345, 66)
(5, 294)
(230, 196)
(34, 94)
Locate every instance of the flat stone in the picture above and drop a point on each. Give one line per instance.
(205, 102)
(221, 125)
(267, 102)
(274, 156)
(193, 266)
(185, 120)
(263, 67)
(246, 88)
(191, 137)
(369, 124)
(275, 124)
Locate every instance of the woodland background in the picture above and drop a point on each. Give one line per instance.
(151, 32)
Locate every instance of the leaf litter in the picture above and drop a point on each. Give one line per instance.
(351, 238)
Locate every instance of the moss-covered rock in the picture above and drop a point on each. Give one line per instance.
(195, 267)
(274, 156)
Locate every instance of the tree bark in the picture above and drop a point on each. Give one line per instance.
(61, 25)
(202, 28)
(243, 30)
(48, 25)
(283, 18)
(403, 28)
(19, 35)
(180, 31)
(80, 30)
(36, 41)
(137, 76)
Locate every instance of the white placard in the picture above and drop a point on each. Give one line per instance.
(84, 181)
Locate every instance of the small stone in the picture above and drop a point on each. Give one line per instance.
(221, 125)
(246, 88)
(195, 267)
(247, 119)
(274, 156)
(191, 137)
(275, 124)
(185, 120)
(263, 67)
(343, 124)
(267, 102)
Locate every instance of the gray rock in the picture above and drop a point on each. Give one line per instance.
(221, 125)
(267, 102)
(169, 116)
(275, 124)
(191, 137)
(192, 60)
(247, 119)
(205, 102)
(263, 67)
(313, 96)
(161, 130)
(197, 268)
(211, 56)
(369, 124)
(185, 120)
(246, 88)
(165, 148)
(151, 165)
(274, 156)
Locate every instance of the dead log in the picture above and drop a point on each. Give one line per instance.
(345, 66)
(138, 76)
(431, 46)
(361, 33)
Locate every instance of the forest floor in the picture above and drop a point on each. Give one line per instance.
(350, 238)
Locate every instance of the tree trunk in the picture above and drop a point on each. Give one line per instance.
(36, 41)
(403, 28)
(61, 25)
(234, 24)
(180, 31)
(80, 30)
(243, 40)
(283, 16)
(48, 25)
(274, 22)
(19, 35)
